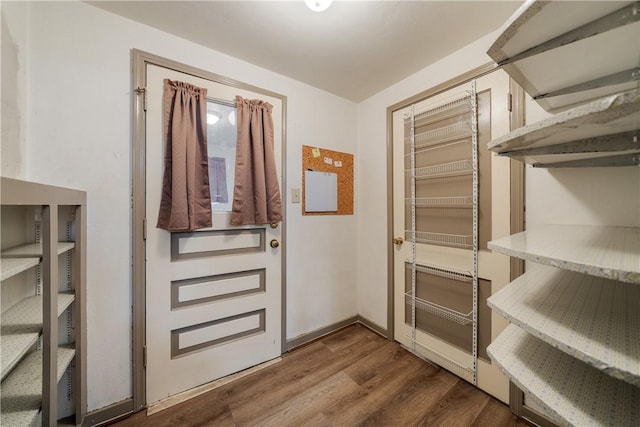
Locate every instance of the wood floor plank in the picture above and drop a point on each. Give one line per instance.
(318, 421)
(298, 379)
(373, 364)
(349, 336)
(352, 377)
(309, 403)
(192, 414)
(497, 413)
(418, 398)
(223, 419)
(376, 392)
(298, 365)
(459, 407)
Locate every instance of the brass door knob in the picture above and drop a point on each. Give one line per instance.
(398, 241)
(274, 243)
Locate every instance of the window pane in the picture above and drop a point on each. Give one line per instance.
(221, 138)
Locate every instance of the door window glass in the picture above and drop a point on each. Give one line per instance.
(221, 138)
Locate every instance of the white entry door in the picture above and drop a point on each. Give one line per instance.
(213, 296)
(439, 325)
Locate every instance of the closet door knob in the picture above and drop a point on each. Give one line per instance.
(398, 241)
(274, 243)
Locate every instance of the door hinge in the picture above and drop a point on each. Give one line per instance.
(144, 356)
(509, 102)
(144, 229)
(142, 91)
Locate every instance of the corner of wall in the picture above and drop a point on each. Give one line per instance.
(13, 124)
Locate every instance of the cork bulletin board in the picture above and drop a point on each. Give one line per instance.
(322, 160)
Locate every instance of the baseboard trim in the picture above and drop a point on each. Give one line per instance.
(318, 333)
(109, 413)
(373, 326)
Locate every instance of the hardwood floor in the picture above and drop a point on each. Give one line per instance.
(350, 378)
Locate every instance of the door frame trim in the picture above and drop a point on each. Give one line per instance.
(139, 60)
(517, 189)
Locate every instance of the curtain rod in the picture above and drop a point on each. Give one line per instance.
(222, 101)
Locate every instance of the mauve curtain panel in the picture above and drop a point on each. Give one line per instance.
(256, 194)
(185, 204)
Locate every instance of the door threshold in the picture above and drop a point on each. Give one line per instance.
(197, 391)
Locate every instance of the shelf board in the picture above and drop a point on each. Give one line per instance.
(34, 250)
(570, 391)
(10, 267)
(609, 252)
(21, 399)
(604, 128)
(21, 327)
(547, 47)
(592, 319)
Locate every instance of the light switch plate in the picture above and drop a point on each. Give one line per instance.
(295, 195)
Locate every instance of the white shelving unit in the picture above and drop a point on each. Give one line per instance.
(35, 304)
(604, 132)
(21, 391)
(10, 267)
(572, 392)
(574, 343)
(594, 320)
(564, 54)
(427, 132)
(23, 326)
(33, 250)
(609, 252)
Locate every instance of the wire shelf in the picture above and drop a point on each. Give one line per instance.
(445, 111)
(453, 240)
(446, 361)
(457, 168)
(438, 146)
(454, 132)
(445, 272)
(442, 202)
(440, 311)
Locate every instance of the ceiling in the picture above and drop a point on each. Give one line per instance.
(353, 50)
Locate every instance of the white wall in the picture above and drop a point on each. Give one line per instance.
(588, 196)
(13, 89)
(80, 136)
(372, 172)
